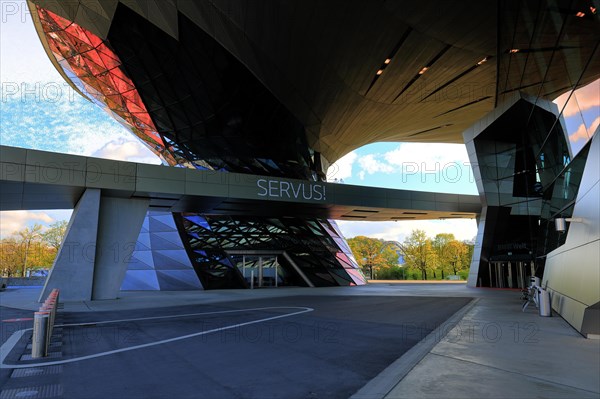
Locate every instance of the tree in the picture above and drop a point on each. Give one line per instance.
(418, 252)
(11, 256)
(441, 246)
(372, 254)
(55, 233)
(456, 254)
(27, 236)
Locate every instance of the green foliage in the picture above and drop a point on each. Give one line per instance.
(373, 255)
(464, 274)
(30, 248)
(424, 257)
(55, 233)
(418, 252)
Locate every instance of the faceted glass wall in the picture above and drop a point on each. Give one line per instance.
(529, 175)
(314, 246)
(159, 260)
(197, 106)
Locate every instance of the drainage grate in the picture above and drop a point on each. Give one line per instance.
(44, 391)
(36, 371)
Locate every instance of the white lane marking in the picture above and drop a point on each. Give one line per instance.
(92, 323)
(11, 342)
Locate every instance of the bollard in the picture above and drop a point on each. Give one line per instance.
(43, 325)
(39, 341)
(545, 304)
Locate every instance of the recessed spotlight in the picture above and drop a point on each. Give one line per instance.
(379, 72)
(482, 61)
(422, 71)
(513, 50)
(580, 14)
(593, 9)
(387, 61)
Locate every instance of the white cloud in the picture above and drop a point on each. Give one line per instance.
(12, 221)
(463, 229)
(342, 168)
(127, 150)
(583, 99)
(425, 156)
(414, 158)
(583, 133)
(370, 165)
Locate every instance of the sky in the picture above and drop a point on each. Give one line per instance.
(39, 110)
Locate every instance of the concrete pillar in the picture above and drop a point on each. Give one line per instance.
(118, 228)
(100, 238)
(73, 269)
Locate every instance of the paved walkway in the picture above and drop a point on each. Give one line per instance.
(495, 351)
(488, 349)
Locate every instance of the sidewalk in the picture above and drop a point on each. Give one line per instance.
(495, 351)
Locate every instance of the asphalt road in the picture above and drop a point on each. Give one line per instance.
(273, 351)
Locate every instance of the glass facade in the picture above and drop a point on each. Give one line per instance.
(525, 157)
(197, 106)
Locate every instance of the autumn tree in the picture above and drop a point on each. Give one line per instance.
(418, 252)
(27, 236)
(30, 248)
(53, 236)
(11, 257)
(372, 254)
(440, 248)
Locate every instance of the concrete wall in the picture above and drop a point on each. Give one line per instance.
(572, 272)
(23, 281)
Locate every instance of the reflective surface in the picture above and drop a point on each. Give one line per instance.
(197, 106)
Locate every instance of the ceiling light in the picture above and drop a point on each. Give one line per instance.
(580, 14)
(379, 72)
(482, 61)
(422, 71)
(387, 61)
(513, 50)
(593, 9)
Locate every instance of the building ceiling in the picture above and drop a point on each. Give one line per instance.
(357, 72)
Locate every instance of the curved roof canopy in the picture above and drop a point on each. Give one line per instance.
(358, 72)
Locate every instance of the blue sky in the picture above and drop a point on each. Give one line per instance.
(40, 111)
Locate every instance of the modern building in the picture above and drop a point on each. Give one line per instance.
(285, 88)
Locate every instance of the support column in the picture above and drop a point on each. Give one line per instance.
(119, 225)
(101, 235)
(73, 269)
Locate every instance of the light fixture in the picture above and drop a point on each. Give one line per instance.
(387, 61)
(580, 14)
(561, 225)
(482, 61)
(379, 72)
(513, 50)
(422, 71)
(593, 9)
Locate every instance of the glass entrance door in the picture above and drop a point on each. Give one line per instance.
(260, 271)
(509, 274)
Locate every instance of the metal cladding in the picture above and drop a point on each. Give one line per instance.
(283, 89)
(201, 108)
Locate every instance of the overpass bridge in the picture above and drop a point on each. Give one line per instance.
(111, 198)
(32, 179)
